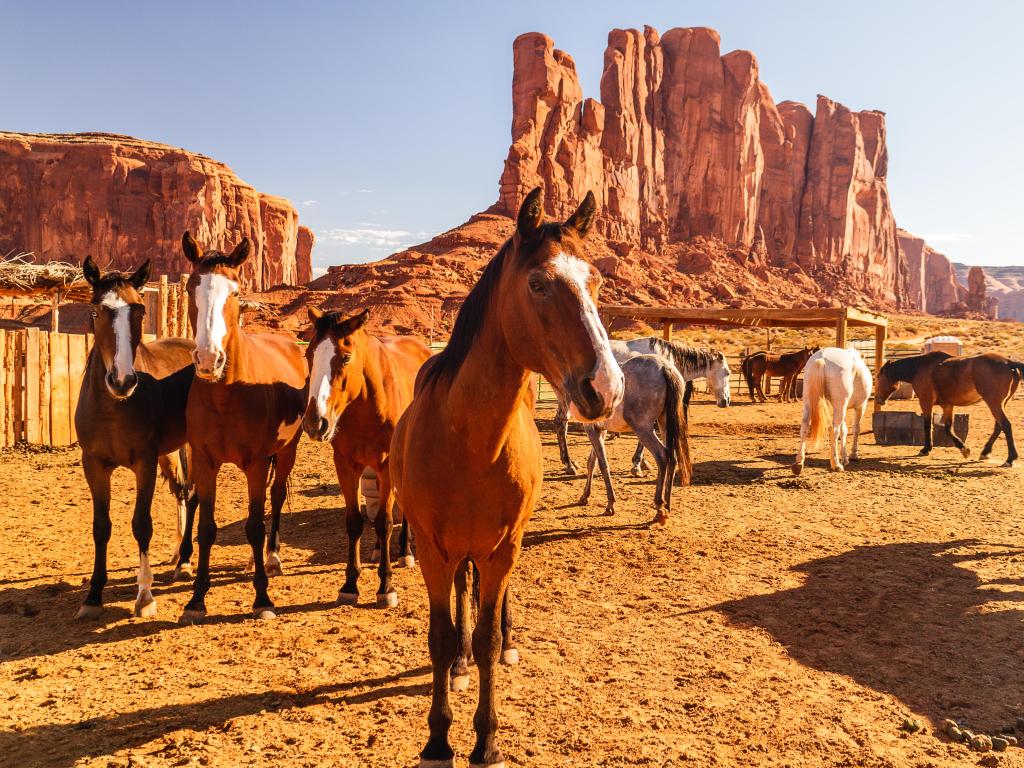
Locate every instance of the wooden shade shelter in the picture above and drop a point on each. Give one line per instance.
(840, 318)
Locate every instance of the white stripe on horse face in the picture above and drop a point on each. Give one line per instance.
(123, 359)
(211, 295)
(320, 378)
(607, 375)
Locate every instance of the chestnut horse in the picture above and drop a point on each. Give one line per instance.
(245, 408)
(946, 381)
(131, 413)
(466, 456)
(359, 385)
(760, 364)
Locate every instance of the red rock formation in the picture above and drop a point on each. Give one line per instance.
(121, 200)
(304, 255)
(977, 299)
(689, 143)
(932, 281)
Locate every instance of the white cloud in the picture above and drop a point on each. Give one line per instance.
(368, 237)
(309, 203)
(360, 191)
(937, 238)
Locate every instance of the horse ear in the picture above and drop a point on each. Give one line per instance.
(91, 271)
(531, 213)
(190, 248)
(353, 324)
(584, 216)
(141, 275)
(314, 313)
(241, 253)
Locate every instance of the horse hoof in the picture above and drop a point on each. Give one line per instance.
(1007, 464)
(571, 469)
(263, 614)
(636, 472)
(88, 612)
(796, 469)
(427, 763)
(191, 616)
(582, 501)
(838, 468)
(183, 572)
(924, 452)
(272, 567)
(966, 452)
(609, 511)
(458, 683)
(145, 610)
(510, 657)
(406, 561)
(660, 520)
(348, 598)
(387, 600)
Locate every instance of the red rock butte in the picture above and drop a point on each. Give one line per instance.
(709, 192)
(121, 200)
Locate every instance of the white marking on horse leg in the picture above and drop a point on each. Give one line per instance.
(273, 564)
(607, 377)
(145, 603)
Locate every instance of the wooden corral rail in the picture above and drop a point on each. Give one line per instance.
(839, 318)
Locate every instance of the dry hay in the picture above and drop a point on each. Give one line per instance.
(20, 275)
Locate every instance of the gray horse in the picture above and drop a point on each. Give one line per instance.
(691, 363)
(653, 395)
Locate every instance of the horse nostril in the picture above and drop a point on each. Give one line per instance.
(324, 426)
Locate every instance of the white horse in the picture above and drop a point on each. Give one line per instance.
(835, 380)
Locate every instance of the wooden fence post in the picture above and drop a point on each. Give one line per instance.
(45, 391)
(183, 321)
(31, 414)
(78, 353)
(18, 385)
(161, 309)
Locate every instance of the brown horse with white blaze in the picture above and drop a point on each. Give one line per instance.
(245, 408)
(131, 413)
(359, 386)
(466, 456)
(945, 381)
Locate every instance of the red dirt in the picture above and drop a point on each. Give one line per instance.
(776, 620)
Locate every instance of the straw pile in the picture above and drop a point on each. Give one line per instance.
(21, 276)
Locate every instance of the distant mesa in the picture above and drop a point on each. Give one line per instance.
(120, 200)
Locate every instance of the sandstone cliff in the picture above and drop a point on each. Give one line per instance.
(121, 200)
(1003, 285)
(688, 143)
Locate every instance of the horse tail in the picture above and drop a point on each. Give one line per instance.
(817, 403)
(677, 428)
(273, 470)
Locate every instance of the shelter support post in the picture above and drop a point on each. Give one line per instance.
(666, 330)
(841, 331)
(880, 334)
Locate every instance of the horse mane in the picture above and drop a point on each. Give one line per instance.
(446, 363)
(903, 369)
(685, 357)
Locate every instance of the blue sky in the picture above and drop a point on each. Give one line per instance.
(386, 122)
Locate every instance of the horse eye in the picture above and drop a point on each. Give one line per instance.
(94, 313)
(537, 286)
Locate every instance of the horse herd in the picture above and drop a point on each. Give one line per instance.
(420, 421)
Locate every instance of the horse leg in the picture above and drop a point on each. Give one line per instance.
(405, 556)
(1002, 425)
(384, 522)
(348, 479)
(637, 469)
(278, 494)
(97, 475)
(1011, 446)
(805, 427)
(562, 435)
(458, 679)
(602, 460)
(494, 574)
(926, 414)
(947, 425)
(443, 643)
(838, 440)
(256, 475)
(591, 462)
(653, 444)
(142, 529)
(183, 570)
(858, 417)
(174, 473)
(509, 652)
(205, 476)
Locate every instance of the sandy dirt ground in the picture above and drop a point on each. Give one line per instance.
(775, 621)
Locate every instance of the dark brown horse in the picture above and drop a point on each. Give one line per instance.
(245, 408)
(359, 386)
(466, 455)
(760, 364)
(945, 381)
(131, 413)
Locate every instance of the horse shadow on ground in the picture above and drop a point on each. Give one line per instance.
(909, 620)
(931, 466)
(63, 744)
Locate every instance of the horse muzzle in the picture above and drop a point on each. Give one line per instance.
(588, 403)
(121, 388)
(317, 427)
(210, 366)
